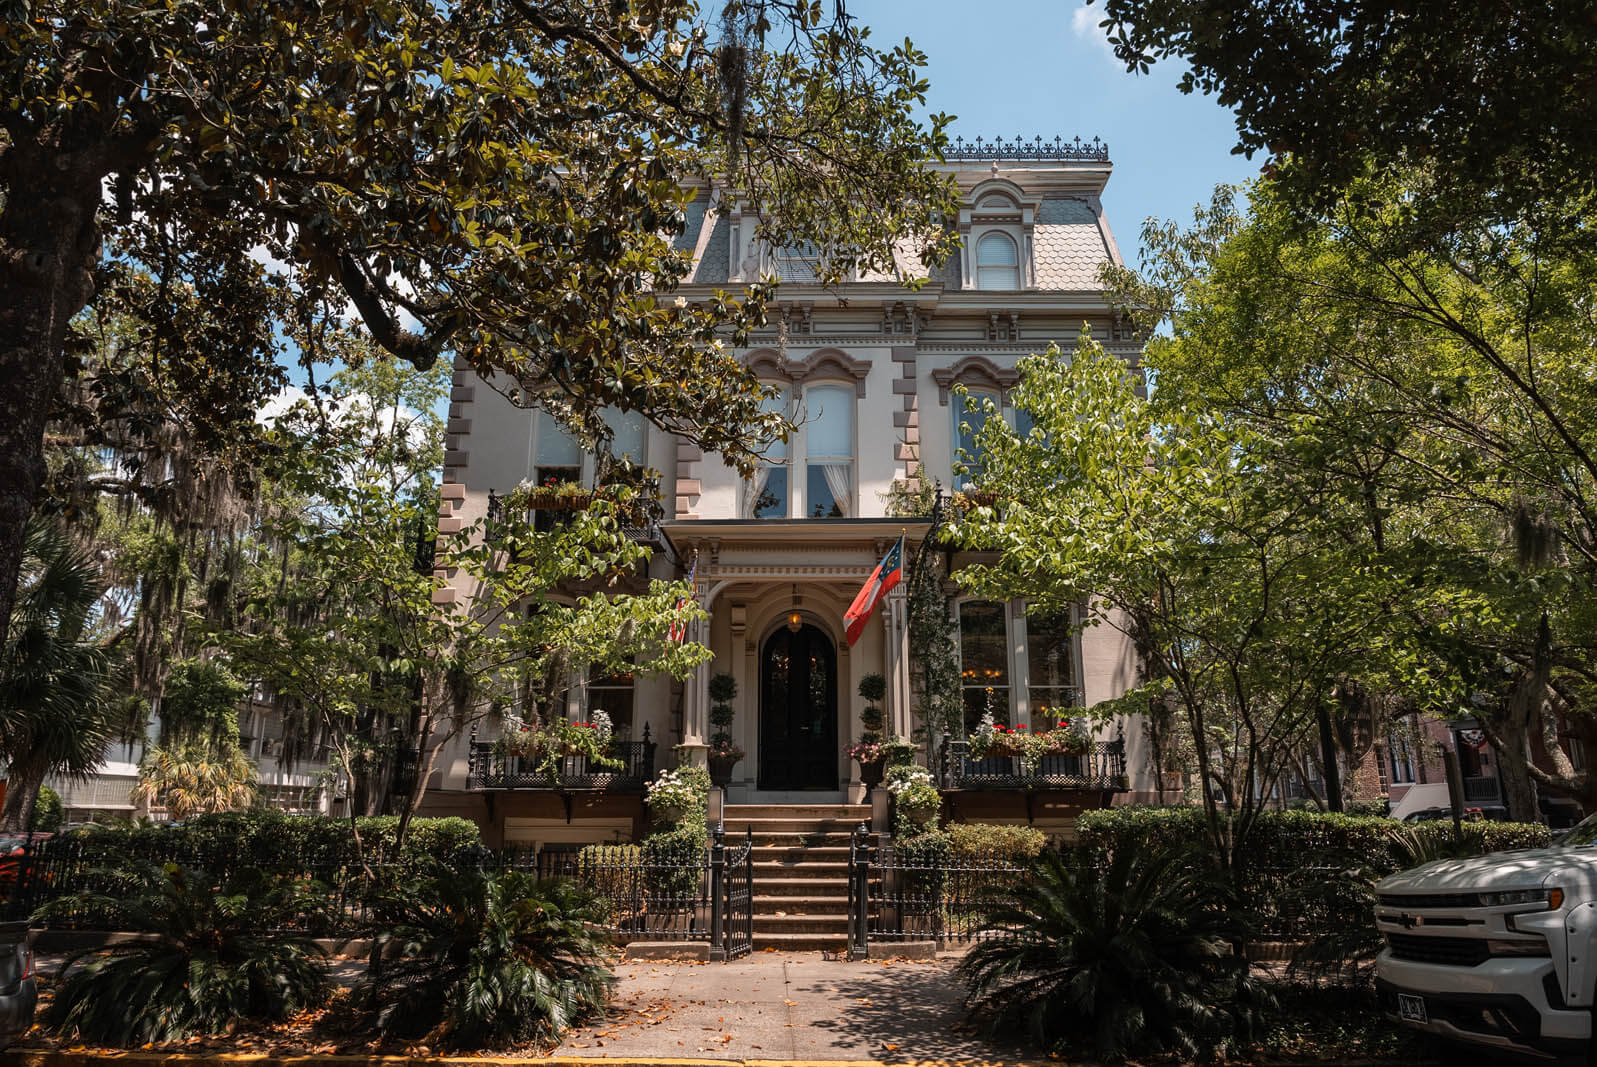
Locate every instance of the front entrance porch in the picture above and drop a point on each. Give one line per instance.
(798, 711)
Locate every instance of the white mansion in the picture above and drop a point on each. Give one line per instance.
(867, 369)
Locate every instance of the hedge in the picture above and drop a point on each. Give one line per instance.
(272, 841)
(1285, 839)
(1303, 875)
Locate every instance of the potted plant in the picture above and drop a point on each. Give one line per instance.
(676, 795)
(724, 754)
(550, 494)
(519, 743)
(869, 752)
(916, 801)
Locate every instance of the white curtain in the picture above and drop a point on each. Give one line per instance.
(840, 483)
(752, 490)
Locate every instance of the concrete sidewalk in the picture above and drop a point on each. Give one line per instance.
(789, 1007)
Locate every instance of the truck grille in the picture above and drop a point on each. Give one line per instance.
(1457, 951)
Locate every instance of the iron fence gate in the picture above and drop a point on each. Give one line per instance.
(896, 893)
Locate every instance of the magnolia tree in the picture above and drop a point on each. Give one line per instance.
(343, 626)
(1239, 590)
(502, 180)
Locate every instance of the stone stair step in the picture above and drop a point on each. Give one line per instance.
(791, 827)
(811, 904)
(855, 812)
(801, 924)
(802, 887)
(800, 942)
(816, 869)
(794, 838)
(801, 853)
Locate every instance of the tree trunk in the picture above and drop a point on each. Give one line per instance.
(1328, 764)
(49, 245)
(22, 792)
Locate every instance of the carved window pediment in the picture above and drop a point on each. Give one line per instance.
(825, 364)
(977, 373)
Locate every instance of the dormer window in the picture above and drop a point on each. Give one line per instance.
(997, 262)
(997, 229)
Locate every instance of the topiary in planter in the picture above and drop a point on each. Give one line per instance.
(724, 753)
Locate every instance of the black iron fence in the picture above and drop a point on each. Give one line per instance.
(701, 894)
(1101, 769)
(487, 769)
(903, 893)
(906, 892)
(680, 895)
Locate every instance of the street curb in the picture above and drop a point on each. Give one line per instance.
(54, 1058)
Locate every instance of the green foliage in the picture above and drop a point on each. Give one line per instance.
(217, 957)
(1117, 961)
(873, 687)
(1473, 98)
(48, 813)
(917, 803)
(679, 795)
(609, 871)
(192, 778)
(1000, 841)
(276, 843)
(1376, 808)
(1285, 839)
(723, 690)
(57, 710)
(923, 857)
(200, 705)
(489, 962)
(932, 643)
(673, 861)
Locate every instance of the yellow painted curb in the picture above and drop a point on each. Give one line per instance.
(58, 1058)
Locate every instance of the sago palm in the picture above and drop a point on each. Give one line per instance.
(1118, 960)
(196, 780)
(487, 961)
(56, 680)
(217, 955)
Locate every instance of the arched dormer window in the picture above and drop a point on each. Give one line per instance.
(997, 262)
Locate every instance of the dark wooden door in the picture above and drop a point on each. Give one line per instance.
(798, 711)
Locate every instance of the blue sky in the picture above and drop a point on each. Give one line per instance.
(1031, 67)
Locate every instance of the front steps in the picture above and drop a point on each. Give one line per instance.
(800, 857)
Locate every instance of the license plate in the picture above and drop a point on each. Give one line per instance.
(1411, 1007)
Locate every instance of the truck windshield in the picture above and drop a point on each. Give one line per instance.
(1584, 833)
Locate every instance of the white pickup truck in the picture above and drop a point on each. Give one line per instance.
(1496, 950)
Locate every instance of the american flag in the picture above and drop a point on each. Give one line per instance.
(679, 624)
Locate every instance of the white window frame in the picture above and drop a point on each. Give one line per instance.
(995, 237)
(845, 391)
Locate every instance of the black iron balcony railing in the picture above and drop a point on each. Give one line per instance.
(1482, 789)
(1104, 768)
(486, 769)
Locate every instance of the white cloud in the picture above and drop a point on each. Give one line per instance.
(1084, 24)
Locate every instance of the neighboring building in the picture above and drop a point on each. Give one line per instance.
(868, 371)
(306, 787)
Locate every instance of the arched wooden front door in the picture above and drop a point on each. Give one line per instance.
(798, 711)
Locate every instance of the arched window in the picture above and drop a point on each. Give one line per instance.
(765, 495)
(829, 451)
(970, 415)
(997, 262)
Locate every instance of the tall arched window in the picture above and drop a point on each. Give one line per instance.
(970, 415)
(829, 451)
(765, 495)
(997, 262)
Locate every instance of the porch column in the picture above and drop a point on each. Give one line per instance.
(696, 704)
(896, 622)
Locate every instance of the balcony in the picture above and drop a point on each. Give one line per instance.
(1101, 770)
(1482, 790)
(486, 770)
